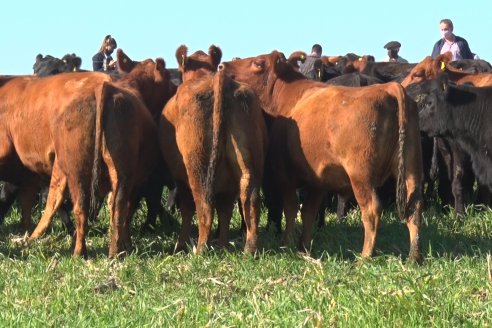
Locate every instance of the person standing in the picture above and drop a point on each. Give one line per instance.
(307, 67)
(393, 48)
(102, 60)
(451, 42)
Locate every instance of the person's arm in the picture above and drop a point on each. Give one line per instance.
(97, 62)
(465, 51)
(436, 51)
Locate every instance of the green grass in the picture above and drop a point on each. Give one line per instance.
(42, 285)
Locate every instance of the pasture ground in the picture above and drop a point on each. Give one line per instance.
(42, 285)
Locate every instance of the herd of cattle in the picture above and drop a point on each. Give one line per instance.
(233, 128)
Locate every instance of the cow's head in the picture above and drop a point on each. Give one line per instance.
(295, 58)
(326, 68)
(261, 71)
(47, 65)
(431, 98)
(199, 64)
(71, 63)
(150, 78)
(428, 69)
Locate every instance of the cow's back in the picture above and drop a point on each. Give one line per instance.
(334, 123)
(29, 106)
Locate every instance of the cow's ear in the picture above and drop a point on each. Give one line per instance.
(443, 60)
(39, 57)
(182, 57)
(160, 69)
(215, 55)
(125, 64)
(295, 57)
(279, 63)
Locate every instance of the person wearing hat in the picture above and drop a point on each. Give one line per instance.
(393, 48)
(102, 61)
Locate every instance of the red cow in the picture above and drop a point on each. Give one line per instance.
(86, 131)
(430, 68)
(213, 138)
(338, 138)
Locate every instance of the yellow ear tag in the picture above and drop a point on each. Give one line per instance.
(182, 61)
(443, 66)
(319, 75)
(302, 57)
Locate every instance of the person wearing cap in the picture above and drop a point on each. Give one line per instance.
(102, 61)
(307, 67)
(450, 42)
(393, 48)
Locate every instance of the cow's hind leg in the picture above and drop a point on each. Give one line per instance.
(225, 206)
(56, 194)
(27, 199)
(81, 212)
(413, 213)
(205, 214)
(291, 207)
(187, 209)
(250, 201)
(119, 221)
(370, 209)
(309, 211)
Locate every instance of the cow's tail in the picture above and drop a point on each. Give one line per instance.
(217, 127)
(401, 187)
(97, 162)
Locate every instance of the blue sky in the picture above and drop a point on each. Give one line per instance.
(151, 29)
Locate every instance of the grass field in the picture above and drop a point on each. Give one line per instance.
(41, 285)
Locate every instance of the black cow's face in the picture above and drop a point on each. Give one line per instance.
(430, 96)
(71, 63)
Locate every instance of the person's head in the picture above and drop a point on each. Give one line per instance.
(446, 27)
(393, 48)
(316, 49)
(108, 45)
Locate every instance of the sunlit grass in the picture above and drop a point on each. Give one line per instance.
(42, 285)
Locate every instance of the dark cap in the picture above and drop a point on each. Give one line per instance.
(392, 45)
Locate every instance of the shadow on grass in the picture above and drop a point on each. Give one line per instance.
(440, 234)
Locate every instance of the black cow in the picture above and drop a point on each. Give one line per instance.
(472, 65)
(49, 65)
(354, 80)
(462, 113)
(385, 71)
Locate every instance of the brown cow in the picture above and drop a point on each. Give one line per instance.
(338, 138)
(430, 68)
(79, 121)
(213, 138)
